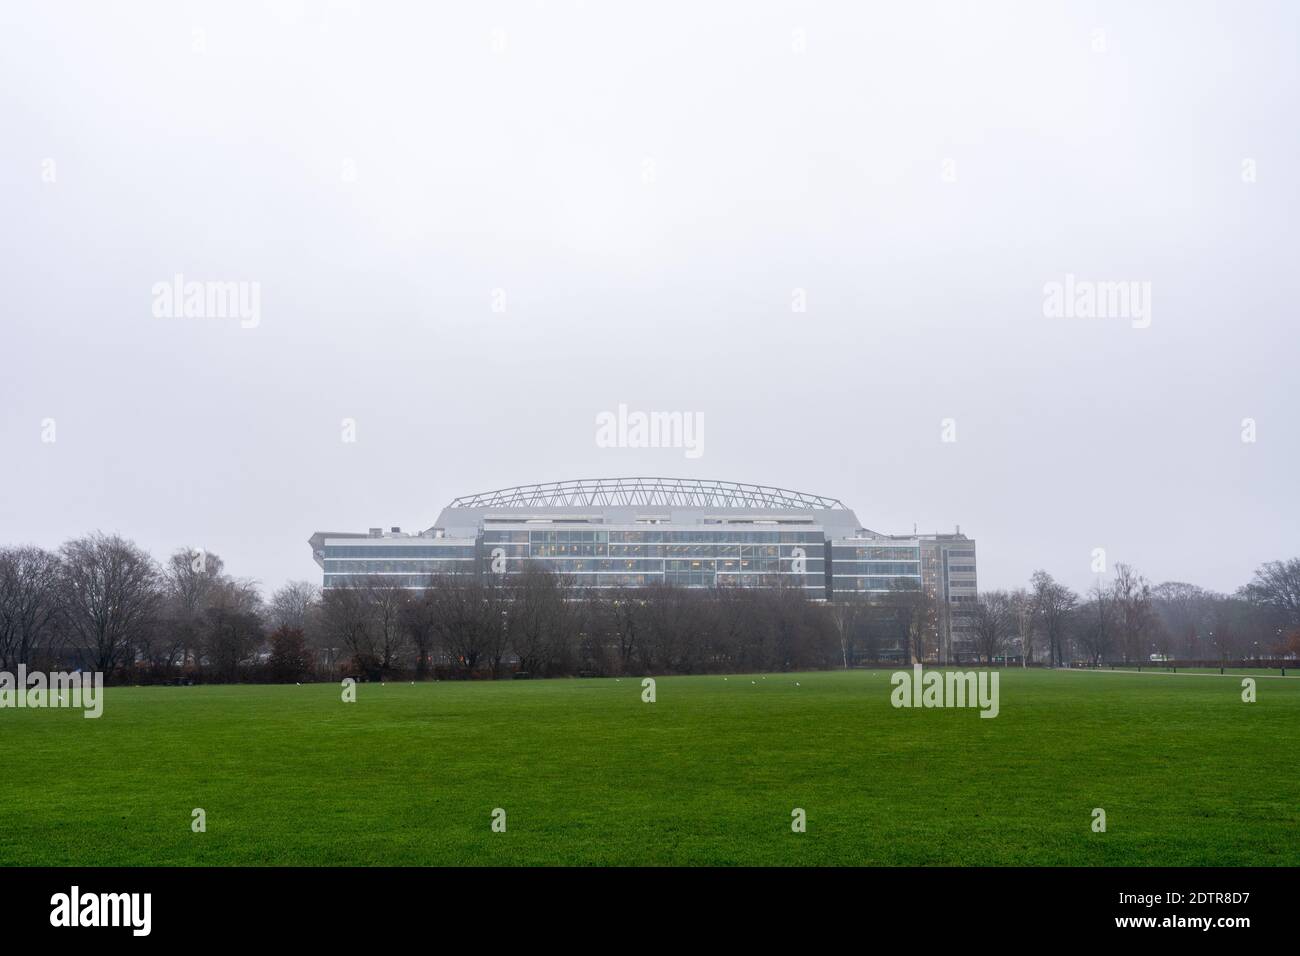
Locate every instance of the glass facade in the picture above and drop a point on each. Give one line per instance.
(864, 566)
(391, 561)
(942, 565)
(706, 554)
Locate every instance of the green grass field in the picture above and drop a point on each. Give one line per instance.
(709, 774)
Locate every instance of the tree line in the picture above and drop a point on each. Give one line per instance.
(1130, 620)
(101, 603)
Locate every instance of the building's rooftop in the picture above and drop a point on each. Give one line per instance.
(638, 501)
(646, 492)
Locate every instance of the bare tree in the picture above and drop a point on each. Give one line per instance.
(994, 618)
(189, 579)
(30, 604)
(293, 604)
(112, 596)
(540, 616)
(420, 619)
(1229, 627)
(1276, 586)
(847, 613)
(918, 616)
(346, 624)
(1134, 617)
(624, 614)
(1095, 623)
(232, 629)
(1052, 605)
(456, 621)
(467, 620)
(669, 620)
(738, 628)
(1184, 611)
(799, 636)
(496, 623)
(387, 603)
(471, 619)
(1022, 614)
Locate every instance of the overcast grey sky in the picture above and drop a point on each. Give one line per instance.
(648, 185)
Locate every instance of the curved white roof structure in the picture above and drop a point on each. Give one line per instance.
(647, 492)
(628, 501)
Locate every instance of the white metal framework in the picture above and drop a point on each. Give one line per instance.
(649, 492)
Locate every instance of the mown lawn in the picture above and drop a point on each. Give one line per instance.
(708, 774)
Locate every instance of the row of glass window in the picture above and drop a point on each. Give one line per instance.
(809, 581)
(876, 554)
(689, 577)
(337, 566)
(395, 551)
(704, 536)
(633, 559)
(594, 580)
(569, 564)
(897, 569)
(664, 550)
(655, 565)
(854, 583)
(393, 580)
(703, 579)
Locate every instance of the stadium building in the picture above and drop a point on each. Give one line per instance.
(637, 532)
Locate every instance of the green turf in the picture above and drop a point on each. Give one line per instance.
(587, 773)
